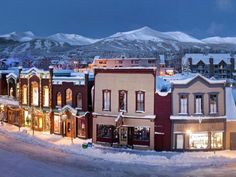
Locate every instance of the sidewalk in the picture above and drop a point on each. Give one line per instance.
(64, 144)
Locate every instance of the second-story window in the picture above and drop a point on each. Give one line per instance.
(25, 95)
(59, 99)
(183, 104)
(198, 104)
(140, 100)
(213, 104)
(46, 96)
(106, 100)
(79, 100)
(35, 94)
(123, 100)
(69, 97)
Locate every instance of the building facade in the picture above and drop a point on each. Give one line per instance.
(198, 114)
(124, 108)
(219, 66)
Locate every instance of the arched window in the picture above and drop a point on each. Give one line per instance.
(46, 96)
(35, 94)
(59, 103)
(11, 92)
(79, 100)
(25, 95)
(69, 97)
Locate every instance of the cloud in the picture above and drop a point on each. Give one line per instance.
(224, 5)
(215, 28)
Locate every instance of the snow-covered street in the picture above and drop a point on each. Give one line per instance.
(23, 155)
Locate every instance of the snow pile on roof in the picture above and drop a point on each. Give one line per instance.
(230, 99)
(163, 86)
(196, 57)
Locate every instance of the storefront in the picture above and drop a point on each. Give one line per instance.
(199, 136)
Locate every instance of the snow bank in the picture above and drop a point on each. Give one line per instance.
(56, 142)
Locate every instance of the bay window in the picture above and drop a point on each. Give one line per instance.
(123, 100)
(140, 100)
(106, 100)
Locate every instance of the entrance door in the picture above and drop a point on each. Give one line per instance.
(68, 128)
(130, 136)
(233, 141)
(179, 141)
(123, 135)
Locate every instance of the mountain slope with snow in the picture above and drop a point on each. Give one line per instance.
(72, 39)
(220, 40)
(21, 37)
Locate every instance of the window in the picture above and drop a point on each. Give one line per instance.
(35, 94)
(140, 97)
(198, 141)
(141, 134)
(59, 100)
(198, 104)
(69, 97)
(123, 100)
(79, 100)
(216, 140)
(184, 104)
(213, 104)
(25, 94)
(46, 96)
(11, 92)
(57, 124)
(106, 100)
(104, 131)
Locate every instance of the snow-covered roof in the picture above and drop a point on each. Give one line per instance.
(196, 57)
(230, 99)
(200, 118)
(34, 69)
(163, 86)
(185, 78)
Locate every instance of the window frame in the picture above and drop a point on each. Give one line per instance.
(32, 94)
(217, 103)
(103, 100)
(126, 101)
(25, 95)
(57, 99)
(44, 96)
(202, 103)
(77, 101)
(180, 107)
(71, 102)
(136, 101)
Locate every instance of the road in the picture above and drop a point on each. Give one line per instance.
(20, 159)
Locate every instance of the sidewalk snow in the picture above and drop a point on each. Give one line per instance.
(177, 159)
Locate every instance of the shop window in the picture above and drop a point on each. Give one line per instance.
(79, 100)
(198, 141)
(25, 95)
(69, 97)
(141, 134)
(213, 104)
(59, 99)
(106, 100)
(81, 128)
(11, 92)
(198, 104)
(123, 101)
(217, 140)
(183, 104)
(57, 124)
(104, 131)
(35, 94)
(140, 100)
(46, 96)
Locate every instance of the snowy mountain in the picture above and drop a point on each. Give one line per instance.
(220, 40)
(143, 42)
(21, 37)
(72, 39)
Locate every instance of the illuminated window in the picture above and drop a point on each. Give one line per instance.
(216, 140)
(59, 101)
(69, 97)
(35, 94)
(140, 100)
(25, 95)
(198, 141)
(79, 100)
(46, 96)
